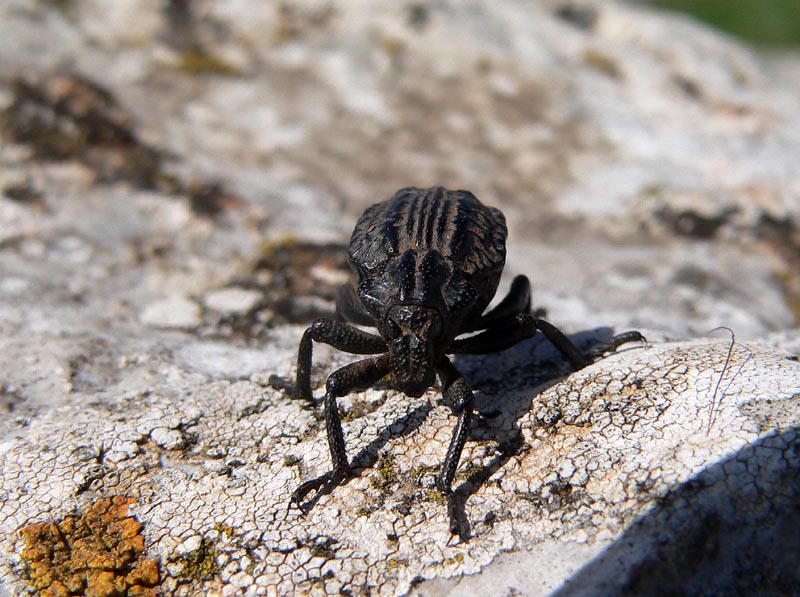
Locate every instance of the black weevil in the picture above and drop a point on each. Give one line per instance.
(428, 263)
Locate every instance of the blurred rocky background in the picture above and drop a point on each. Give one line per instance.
(647, 167)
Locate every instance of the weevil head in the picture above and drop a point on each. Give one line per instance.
(404, 297)
(425, 278)
(413, 332)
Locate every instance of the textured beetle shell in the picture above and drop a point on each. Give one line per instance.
(470, 235)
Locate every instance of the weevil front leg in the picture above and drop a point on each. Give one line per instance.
(338, 334)
(355, 376)
(458, 395)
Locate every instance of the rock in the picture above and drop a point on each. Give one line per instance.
(232, 300)
(169, 439)
(175, 209)
(174, 312)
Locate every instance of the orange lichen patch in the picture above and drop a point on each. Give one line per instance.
(98, 554)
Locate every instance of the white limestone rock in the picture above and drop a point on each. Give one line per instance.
(233, 300)
(173, 312)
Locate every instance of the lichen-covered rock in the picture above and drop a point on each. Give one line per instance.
(173, 210)
(97, 554)
(641, 444)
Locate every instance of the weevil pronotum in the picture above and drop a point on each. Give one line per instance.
(428, 263)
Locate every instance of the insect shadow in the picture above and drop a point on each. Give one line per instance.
(367, 457)
(506, 385)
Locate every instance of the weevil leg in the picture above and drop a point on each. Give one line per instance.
(563, 344)
(349, 308)
(355, 376)
(499, 337)
(518, 300)
(615, 342)
(523, 326)
(578, 358)
(339, 335)
(458, 395)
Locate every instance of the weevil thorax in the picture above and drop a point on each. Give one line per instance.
(428, 262)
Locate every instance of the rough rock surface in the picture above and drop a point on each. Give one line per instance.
(177, 181)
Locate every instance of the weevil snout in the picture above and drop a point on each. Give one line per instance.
(414, 331)
(403, 320)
